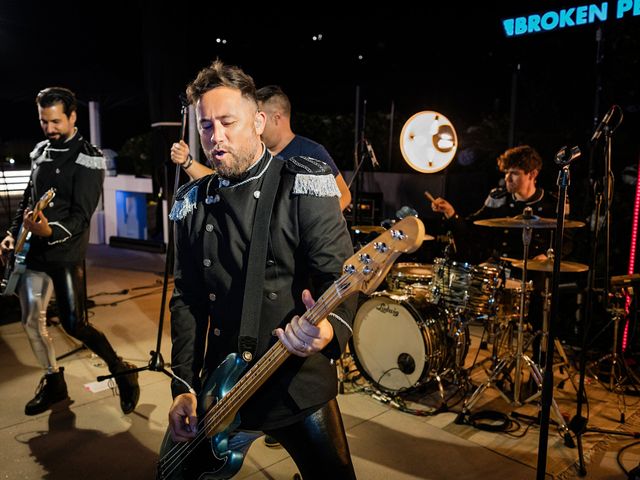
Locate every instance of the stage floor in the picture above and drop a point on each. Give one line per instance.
(89, 437)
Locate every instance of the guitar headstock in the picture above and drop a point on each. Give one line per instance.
(45, 200)
(370, 264)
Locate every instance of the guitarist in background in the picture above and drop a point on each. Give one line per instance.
(306, 242)
(58, 244)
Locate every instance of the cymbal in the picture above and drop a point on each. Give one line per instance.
(547, 265)
(520, 222)
(367, 228)
(428, 237)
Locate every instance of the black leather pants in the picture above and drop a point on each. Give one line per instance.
(318, 445)
(68, 284)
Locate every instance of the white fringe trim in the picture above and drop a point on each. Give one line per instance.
(337, 317)
(58, 224)
(316, 185)
(96, 163)
(183, 207)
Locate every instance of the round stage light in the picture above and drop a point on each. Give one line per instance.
(428, 142)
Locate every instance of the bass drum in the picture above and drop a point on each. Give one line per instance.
(395, 346)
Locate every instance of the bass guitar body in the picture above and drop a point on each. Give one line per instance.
(211, 459)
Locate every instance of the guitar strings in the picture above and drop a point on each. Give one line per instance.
(277, 353)
(274, 356)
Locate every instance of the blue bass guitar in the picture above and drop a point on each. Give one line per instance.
(208, 456)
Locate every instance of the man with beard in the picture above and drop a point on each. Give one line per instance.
(277, 136)
(58, 244)
(256, 242)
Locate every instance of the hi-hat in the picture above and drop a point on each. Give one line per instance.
(519, 221)
(367, 228)
(547, 265)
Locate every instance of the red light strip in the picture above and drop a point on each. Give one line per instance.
(632, 258)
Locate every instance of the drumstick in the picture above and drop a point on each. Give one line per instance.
(429, 196)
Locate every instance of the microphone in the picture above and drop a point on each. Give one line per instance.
(372, 155)
(604, 123)
(565, 155)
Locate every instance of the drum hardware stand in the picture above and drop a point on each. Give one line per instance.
(564, 364)
(519, 358)
(619, 373)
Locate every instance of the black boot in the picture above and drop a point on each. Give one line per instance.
(127, 386)
(51, 389)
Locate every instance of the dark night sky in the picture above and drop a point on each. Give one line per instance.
(452, 59)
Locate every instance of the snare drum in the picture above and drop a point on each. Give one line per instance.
(397, 346)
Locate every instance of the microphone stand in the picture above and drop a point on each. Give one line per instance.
(579, 424)
(156, 362)
(563, 157)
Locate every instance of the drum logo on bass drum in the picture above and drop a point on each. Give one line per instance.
(385, 308)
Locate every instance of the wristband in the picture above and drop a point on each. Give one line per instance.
(188, 163)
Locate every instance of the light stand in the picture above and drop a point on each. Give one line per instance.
(156, 362)
(563, 158)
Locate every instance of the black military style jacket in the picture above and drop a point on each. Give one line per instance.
(76, 170)
(308, 242)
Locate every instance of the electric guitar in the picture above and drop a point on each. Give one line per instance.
(15, 263)
(207, 456)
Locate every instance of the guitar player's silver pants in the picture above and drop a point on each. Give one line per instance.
(35, 291)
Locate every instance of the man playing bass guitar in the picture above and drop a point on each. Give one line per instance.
(221, 275)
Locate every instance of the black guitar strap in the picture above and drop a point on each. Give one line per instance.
(254, 279)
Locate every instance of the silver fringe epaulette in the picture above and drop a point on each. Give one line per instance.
(186, 201)
(313, 177)
(37, 154)
(89, 161)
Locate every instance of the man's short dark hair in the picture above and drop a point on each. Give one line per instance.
(53, 95)
(275, 93)
(523, 157)
(220, 75)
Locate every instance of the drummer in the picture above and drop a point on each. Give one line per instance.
(521, 166)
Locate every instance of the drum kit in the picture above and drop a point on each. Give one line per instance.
(417, 330)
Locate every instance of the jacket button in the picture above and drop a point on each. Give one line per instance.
(216, 332)
(206, 262)
(209, 227)
(272, 296)
(51, 204)
(271, 262)
(212, 297)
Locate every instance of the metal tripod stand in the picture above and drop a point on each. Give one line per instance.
(518, 359)
(620, 375)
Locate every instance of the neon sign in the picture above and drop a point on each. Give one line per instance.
(569, 17)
